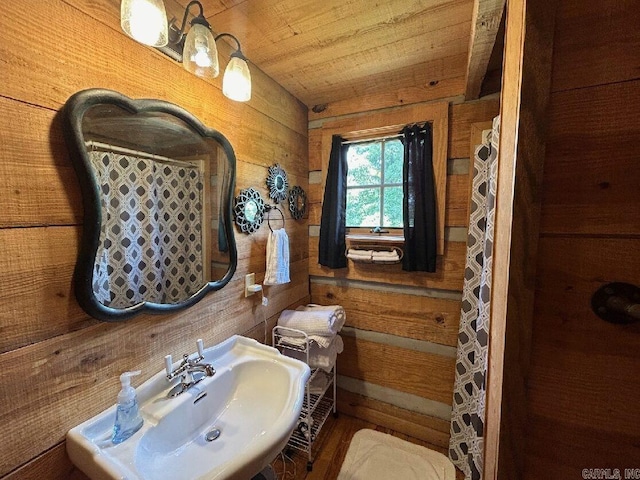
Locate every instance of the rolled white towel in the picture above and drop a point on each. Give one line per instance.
(319, 325)
(340, 316)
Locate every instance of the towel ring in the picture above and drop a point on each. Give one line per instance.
(268, 209)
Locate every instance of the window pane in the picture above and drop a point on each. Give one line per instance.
(393, 207)
(393, 159)
(364, 164)
(363, 207)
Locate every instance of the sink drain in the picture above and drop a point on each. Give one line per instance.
(212, 435)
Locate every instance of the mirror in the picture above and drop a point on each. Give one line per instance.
(248, 210)
(297, 202)
(157, 187)
(277, 183)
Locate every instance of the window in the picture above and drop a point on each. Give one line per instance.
(374, 183)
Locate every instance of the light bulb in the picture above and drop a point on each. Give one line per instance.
(200, 55)
(236, 83)
(145, 21)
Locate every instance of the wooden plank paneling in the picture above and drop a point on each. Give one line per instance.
(456, 212)
(304, 35)
(601, 382)
(570, 270)
(596, 44)
(600, 139)
(448, 276)
(412, 316)
(429, 429)
(423, 374)
(582, 384)
(349, 73)
(49, 193)
(484, 28)
(380, 49)
(51, 465)
(315, 149)
(37, 301)
(565, 449)
(434, 80)
(585, 358)
(461, 118)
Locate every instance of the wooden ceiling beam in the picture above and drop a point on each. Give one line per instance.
(487, 15)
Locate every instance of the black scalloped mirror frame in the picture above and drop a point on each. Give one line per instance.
(72, 116)
(297, 202)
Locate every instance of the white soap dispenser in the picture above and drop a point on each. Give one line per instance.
(128, 419)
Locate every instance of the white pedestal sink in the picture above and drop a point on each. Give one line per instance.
(254, 400)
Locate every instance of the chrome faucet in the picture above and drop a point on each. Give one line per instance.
(190, 370)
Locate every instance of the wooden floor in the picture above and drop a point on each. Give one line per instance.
(331, 448)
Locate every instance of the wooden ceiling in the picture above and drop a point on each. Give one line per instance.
(326, 51)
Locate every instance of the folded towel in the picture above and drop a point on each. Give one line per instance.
(386, 258)
(386, 253)
(356, 255)
(337, 310)
(319, 357)
(319, 326)
(301, 342)
(277, 258)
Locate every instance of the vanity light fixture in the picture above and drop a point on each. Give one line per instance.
(145, 21)
(195, 49)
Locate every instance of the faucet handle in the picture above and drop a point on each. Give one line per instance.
(168, 364)
(200, 344)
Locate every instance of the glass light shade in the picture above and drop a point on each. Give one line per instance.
(145, 21)
(236, 83)
(200, 55)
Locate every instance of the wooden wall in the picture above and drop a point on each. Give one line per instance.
(583, 385)
(60, 367)
(397, 369)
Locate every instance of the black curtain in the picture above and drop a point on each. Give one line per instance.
(332, 246)
(419, 204)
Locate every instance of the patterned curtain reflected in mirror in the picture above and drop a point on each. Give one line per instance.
(150, 246)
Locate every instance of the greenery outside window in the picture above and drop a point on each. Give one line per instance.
(374, 183)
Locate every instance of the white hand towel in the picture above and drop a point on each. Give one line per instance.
(277, 258)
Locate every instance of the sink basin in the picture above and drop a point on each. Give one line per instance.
(251, 406)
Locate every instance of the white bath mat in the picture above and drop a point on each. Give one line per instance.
(376, 456)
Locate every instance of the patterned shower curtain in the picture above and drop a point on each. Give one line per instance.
(150, 246)
(466, 447)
